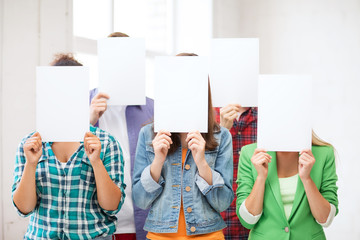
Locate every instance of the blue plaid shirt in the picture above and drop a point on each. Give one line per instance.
(67, 205)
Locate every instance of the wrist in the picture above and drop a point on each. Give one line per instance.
(202, 164)
(158, 162)
(31, 165)
(261, 179)
(95, 162)
(306, 180)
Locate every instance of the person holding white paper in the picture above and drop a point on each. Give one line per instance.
(242, 124)
(124, 122)
(71, 190)
(185, 179)
(287, 195)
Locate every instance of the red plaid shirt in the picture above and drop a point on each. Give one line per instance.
(243, 132)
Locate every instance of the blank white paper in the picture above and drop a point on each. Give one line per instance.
(181, 94)
(234, 71)
(122, 70)
(284, 113)
(62, 103)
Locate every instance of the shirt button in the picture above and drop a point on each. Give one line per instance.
(189, 209)
(286, 229)
(187, 166)
(239, 133)
(192, 229)
(188, 189)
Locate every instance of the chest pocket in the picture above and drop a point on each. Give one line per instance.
(41, 175)
(87, 176)
(210, 157)
(150, 155)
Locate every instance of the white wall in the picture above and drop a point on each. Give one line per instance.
(1, 190)
(321, 38)
(32, 31)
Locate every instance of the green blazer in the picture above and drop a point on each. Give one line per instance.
(273, 223)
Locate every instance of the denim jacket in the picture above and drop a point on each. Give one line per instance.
(203, 202)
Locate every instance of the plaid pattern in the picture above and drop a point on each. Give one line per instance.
(67, 206)
(243, 132)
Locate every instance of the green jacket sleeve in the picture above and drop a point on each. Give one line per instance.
(328, 188)
(245, 181)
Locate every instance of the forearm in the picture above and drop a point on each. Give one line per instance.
(319, 206)
(205, 172)
(155, 169)
(25, 197)
(93, 119)
(108, 194)
(254, 202)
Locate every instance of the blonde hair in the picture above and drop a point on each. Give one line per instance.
(317, 141)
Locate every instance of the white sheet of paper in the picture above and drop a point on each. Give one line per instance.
(62, 103)
(122, 70)
(181, 94)
(285, 114)
(234, 71)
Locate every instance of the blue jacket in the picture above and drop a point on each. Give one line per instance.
(164, 197)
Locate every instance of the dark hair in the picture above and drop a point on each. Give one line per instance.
(65, 59)
(118, 34)
(213, 126)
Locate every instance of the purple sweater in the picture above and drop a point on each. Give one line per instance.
(136, 118)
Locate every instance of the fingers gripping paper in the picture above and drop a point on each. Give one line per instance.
(181, 94)
(284, 117)
(62, 103)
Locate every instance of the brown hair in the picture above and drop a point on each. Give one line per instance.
(118, 34)
(213, 126)
(65, 59)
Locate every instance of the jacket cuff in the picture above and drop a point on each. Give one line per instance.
(247, 216)
(217, 181)
(330, 217)
(148, 182)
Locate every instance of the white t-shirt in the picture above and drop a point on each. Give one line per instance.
(114, 122)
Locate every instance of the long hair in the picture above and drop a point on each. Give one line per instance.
(213, 126)
(317, 141)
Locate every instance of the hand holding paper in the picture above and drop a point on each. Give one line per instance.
(261, 160)
(306, 162)
(228, 115)
(98, 107)
(161, 144)
(33, 149)
(92, 147)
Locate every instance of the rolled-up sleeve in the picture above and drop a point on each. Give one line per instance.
(328, 188)
(245, 182)
(220, 194)
(20, 161)
(114, 165)
(144, 189)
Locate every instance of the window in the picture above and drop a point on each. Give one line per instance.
(168, 26)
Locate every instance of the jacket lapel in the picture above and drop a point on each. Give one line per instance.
(299, 194)
(273, 181)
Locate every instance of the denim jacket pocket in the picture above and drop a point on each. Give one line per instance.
(150, 154)
(210, 157)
